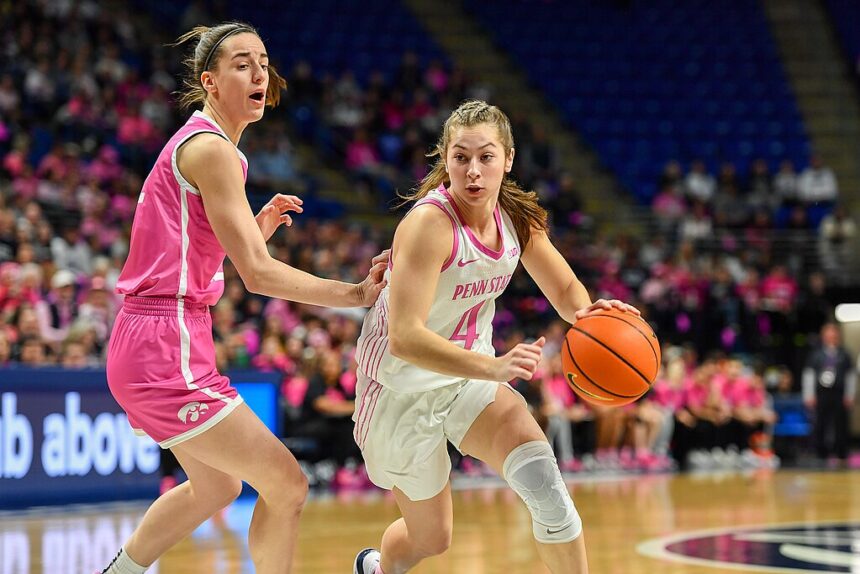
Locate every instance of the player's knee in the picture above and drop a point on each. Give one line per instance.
(284, 485)
(532, 471)
(435, 543)
(217, 493)
(296, 491)
(229, 492)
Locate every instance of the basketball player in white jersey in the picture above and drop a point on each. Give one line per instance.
(428, 373)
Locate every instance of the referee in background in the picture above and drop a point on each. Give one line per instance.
(829, 383)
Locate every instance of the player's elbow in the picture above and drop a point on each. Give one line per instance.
(400, 343)
(396, 346)
(254, 278)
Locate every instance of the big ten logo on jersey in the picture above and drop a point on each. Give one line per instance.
(829, 547)
(513, 252)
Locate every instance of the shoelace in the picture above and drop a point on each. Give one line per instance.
(112, 562)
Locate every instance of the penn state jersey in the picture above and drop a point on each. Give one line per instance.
(463, 306)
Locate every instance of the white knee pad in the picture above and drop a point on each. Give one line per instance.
(532, 471)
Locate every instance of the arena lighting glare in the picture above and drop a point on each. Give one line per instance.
(848, 312)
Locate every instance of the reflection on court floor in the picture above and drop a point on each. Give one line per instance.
(788, 522)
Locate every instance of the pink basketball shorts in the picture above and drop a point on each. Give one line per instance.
(161, 369)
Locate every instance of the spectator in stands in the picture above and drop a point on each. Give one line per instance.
(274, 164)
(565, 206)
(836, 239)
(436, 77)
(703, 418)
(746, 397)
(817, 184)
(671, 175)
(697, 224)
(667, 395)
(759, 189)
(728, 176)
(779, 290)
(8, 235)
(9, 98)
(32, 352)
(669, 207)
(539, 156)
(562, 410)
(326, 413)
(99, 309)
(5, 348)
(361, 154)
(785, 184)
(699, 184)
(730, 210)
(58, 311)
(346, 107)
(408, 75)
(814, 308)
(71, 252)
(829, 386)
(74, 356)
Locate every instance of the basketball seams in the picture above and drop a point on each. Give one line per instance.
(590, 380)
(641, 332)
(611, 350)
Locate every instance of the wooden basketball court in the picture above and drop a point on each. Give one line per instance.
(628, 521)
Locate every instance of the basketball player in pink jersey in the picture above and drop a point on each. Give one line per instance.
(428, 373)
(192, 211)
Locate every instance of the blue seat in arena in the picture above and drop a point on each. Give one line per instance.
(846, 18)
(792, 417)
(657, 72)
(332, 35)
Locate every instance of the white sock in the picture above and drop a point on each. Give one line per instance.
(122, 564)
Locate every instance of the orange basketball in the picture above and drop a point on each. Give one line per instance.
(610, 358)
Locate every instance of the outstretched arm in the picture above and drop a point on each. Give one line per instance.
(559, 284)
(210, 164)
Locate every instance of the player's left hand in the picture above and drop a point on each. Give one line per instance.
(374, 283)
(606, 305)
(274, 213)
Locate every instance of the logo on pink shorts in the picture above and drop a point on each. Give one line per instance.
(192, 411)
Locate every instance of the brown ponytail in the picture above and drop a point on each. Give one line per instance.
(205, 56)
(520, 205)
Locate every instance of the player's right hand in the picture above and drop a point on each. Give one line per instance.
(374, 283)
(519, 363)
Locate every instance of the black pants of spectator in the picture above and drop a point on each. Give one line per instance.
(703, 435)
(584, 437)
(684, 439)
(334, 437)
(740, 434)
(831, 416)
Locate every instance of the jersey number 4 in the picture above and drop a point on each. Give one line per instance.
(470, 321)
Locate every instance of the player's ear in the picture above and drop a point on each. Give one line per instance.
(509, 161)
(207, 79)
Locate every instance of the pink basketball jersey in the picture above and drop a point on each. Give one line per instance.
(174, 252)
